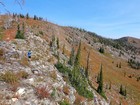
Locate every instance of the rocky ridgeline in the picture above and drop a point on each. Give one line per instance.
(43, 85)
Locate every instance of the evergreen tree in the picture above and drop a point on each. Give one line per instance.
(120, 65)
(120, 103)
(63, 52)
(87, 67)
(71, 60)
(52, 42)
(77, 58)
(27, 16)
(35, 17)
(98, 78)
(23, 28)
(125, 92)
(100, 87)
(101, 50)
(19, 34)
(121, 90)
(58, 57)
(117, 65)
(110, 85)
(57, 43)
(53, 39)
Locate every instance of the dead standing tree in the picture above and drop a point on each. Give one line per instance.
(19, 2)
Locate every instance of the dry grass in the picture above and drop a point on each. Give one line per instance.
(35, 58)
(9, 77)
(53, 75)
(51, 60)
(22, 74)
(66, 90)
(79, 99)
(24, 61)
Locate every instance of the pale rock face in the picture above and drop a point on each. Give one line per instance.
(20, 91)
(14, 99)
(31, 80)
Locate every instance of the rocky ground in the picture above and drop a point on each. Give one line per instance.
(40, 83)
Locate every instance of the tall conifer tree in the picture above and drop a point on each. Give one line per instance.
(77, 58)
(100, 87)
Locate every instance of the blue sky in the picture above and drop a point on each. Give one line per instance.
(108, 18)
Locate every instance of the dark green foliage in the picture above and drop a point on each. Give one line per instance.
(123, 91)
(110, 85)
(64, 103)
(63, 52)
(101, 50)
(78, 55)
(57, 42)
(27, 16)
(1, 33)
(20, 33)
(100, 87)
(14, 15)
(87, 67)
(35, 17)
(117, 46)
(23, 28)
(103, 95)
(58, 57)
(98, 78)
(41, 32)
(120, 65)
(21, 15)
(117, 65)
(76, 79)
(133, 63)
(71, 60)
(52, 42)
(63, 69)
(120, 103)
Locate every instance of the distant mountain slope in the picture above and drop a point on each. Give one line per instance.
(131, 40)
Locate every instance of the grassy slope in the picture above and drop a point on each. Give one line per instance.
(111, 72)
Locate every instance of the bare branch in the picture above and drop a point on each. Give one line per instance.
(1, 3)
(19, 3)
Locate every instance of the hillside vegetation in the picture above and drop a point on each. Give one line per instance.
(69, 65)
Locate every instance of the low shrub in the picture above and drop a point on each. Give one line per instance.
(66, 90)
(42, 92)
(101, 50)
(24, 61)
(22, 74)
(134, 64)
(9, 77)
(41, 32)
(64, 103)
(53, 75)
(1, 52)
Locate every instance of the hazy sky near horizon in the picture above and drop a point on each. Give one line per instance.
(108, 18)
